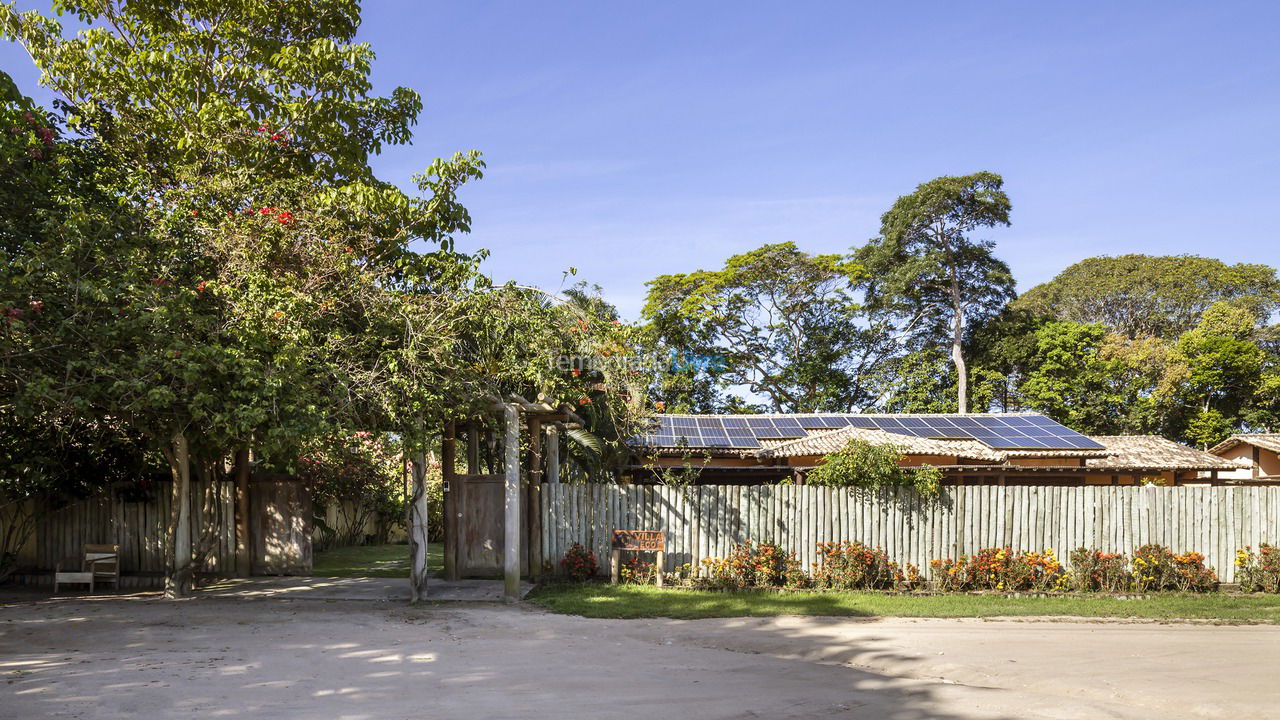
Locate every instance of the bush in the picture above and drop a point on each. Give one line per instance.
(1099, 571)
(360, 477)
(635, 570)
(1156, 568)
(1260, 571)
(868, 465)
(1001, 569)
(854, 566)
(579, 564)
(754, 565)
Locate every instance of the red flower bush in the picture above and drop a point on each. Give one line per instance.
(854, 566)
(1095, 570)
(579, 564)
(1155, 567)
(1000, 569)
(754, 565)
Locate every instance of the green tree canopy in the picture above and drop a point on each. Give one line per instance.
(1158, 295)
(780, 322)
(927, 273)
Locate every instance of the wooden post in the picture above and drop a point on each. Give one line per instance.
(244, 552)
(452, 505)
(662, 562)
(553, 454)
(615, 565)
(473, 448)
(511, 526)
(418, 529)
(533, 500)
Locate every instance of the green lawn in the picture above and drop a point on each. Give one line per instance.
(632, 601)
(381, 561)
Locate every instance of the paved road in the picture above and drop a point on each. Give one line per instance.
(237, 658)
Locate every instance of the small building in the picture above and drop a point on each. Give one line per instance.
(990, 448)
(1255, 455)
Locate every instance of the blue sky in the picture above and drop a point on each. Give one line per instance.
(641, 139)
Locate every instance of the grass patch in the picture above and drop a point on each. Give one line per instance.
(635, 601)
(380, 561)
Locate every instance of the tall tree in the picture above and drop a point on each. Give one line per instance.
(926, 270)
(1158, 295)
(253, 278)
(784, 324)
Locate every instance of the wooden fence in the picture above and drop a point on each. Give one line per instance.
(138, 526)
(705, 521)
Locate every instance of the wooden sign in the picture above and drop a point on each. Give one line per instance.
(646, 540)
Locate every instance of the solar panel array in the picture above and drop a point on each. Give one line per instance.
(1001, 432)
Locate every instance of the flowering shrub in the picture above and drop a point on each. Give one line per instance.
(635, 570)
(1000, 569)
(1094, 570)
(1259, 571)
(854, 566)
(359, 477)
(579, 564)
(754, 565)
(1155, 567)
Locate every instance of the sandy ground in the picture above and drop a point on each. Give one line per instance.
(236, 658)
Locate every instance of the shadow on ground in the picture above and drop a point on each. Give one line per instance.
(141, 656)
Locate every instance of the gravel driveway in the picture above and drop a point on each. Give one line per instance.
(235, 658)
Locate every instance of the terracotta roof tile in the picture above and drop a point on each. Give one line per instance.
(825, 443)
(1154, 452)
(1266, 441)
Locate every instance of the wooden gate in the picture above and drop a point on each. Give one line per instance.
(479, 511)
(281, 510)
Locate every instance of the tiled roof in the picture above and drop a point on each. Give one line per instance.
(1154, 452)
(1266, 441)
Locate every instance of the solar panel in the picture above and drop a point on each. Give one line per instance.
(1029, 432)
(1003, 432)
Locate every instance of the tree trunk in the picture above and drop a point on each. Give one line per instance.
(177, 581)
(957, 328)
(244, 556)
(418, 531)
(957, 358)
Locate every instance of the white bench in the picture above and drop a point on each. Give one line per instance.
(100, 563)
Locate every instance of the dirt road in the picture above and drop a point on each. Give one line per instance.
(278, 659)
